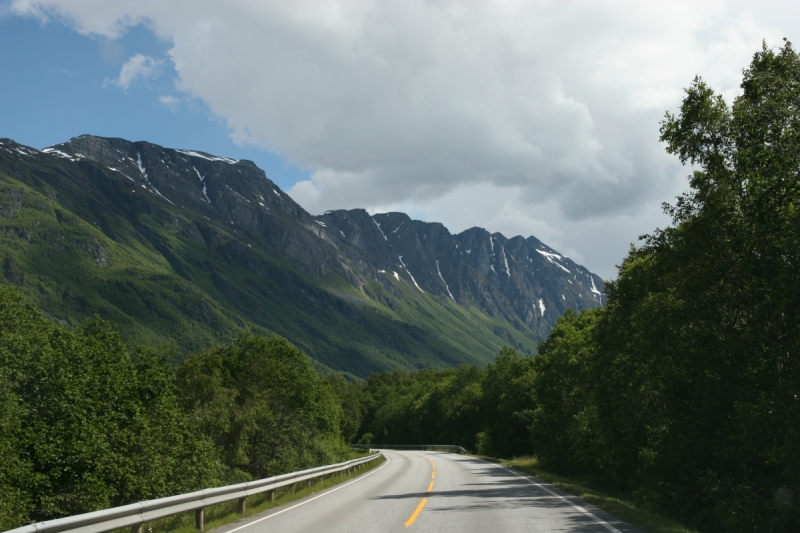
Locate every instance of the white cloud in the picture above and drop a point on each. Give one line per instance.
(138, 68)
(170, 101)
(541, 116)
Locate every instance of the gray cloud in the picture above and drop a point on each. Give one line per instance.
(547, 112)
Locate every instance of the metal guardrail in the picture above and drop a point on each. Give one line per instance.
(433, 447)
(135, 515)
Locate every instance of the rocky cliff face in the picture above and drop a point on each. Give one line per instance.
(234, 194)
(517, 279)
(387, 287)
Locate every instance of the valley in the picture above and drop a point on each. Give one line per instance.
(192, 249)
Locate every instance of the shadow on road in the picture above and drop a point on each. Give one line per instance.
(505, 491)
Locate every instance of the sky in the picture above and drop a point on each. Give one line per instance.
(523, 117)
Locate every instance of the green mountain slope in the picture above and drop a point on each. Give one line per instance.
(183, 247)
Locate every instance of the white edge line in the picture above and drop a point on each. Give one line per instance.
(311, 499)
(578, 507)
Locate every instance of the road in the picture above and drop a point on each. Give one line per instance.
(418, 491)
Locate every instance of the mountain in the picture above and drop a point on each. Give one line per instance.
(184, 247)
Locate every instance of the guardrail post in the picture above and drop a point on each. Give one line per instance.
(199, 519)
(164, 507)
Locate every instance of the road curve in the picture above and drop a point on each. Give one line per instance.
(419, 491)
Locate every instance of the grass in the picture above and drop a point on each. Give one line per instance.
(222, 514)
(621, 505)
(168, 275)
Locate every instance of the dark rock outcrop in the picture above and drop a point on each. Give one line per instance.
(380, 283)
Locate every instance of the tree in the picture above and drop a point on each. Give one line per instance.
(699, 342)
(564, 428)
(264, 406)
(83, 426)
(508, 405)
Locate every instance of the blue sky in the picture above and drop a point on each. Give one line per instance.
(56, 84)
(529, 118)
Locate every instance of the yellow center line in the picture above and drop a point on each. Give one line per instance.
(416, 512)
(424, 500)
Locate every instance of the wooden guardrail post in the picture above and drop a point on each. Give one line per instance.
(242, 505)
(272, 496)
(137, 528)
(199, 519)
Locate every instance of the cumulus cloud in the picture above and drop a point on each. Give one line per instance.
(550, 107)
(138, 68)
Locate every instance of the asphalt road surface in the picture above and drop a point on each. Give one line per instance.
(418, 491)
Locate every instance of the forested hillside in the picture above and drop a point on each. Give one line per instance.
(683, 390)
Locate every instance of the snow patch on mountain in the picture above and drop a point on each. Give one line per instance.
(379, 229)
(144, 175)
(443, 281)
(400, 257)
(192, 153)
(59, 153)
(549, 256)
(595, 291)
(121, 172)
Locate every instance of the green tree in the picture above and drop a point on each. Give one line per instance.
(80, 430)
(564, 429)
(508, 405)
(351, 400)
(264, 406)
(423, 407)
(698, 344)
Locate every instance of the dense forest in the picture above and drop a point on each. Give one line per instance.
(87, 424)
(682, 390)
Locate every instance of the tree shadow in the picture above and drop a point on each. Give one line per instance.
(502, 490)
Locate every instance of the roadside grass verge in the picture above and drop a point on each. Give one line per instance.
(222, 514)
(620, 505)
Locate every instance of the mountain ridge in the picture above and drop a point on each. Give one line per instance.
(358, 292)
